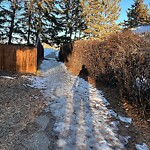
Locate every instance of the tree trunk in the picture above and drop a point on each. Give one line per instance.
(12, 21)
(29, 30)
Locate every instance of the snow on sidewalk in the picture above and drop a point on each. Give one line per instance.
(83, 121)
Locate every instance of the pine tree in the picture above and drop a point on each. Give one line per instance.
(138, 14)
(65, 13)
(2, 18)
(50, 23)
(78, 19)
(32, 22)
(9, 17)
(27, 22)
(38, 20)
(3, 27)
(72, 19)
(100, 17)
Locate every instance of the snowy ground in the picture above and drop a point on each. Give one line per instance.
(83, 121)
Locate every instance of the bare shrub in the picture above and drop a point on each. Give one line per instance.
(122, 60)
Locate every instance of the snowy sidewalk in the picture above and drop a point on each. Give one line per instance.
(83, 121)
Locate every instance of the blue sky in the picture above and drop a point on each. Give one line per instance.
(125, 4)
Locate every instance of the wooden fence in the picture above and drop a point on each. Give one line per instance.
(18, 58)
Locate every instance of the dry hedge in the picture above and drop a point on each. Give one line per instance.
(122, 60)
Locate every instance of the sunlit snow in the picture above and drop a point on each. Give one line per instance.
(8, 77)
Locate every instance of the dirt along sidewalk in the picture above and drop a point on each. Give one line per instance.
(22, 120)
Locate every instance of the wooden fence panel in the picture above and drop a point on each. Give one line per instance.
(18, 58)
(9, 58)
(32, 60)
(26, 60)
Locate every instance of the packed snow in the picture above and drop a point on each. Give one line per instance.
(125, 119)
(142, 147)
(50, 53)
(83, 120)
(8, 77)
(119, 117)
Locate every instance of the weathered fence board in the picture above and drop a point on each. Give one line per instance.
(18, 58)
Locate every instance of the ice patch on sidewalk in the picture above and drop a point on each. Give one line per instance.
(141, 147)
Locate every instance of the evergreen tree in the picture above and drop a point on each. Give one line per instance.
(72, 19)
(2, 18)
(78, 19)
(31, 21)
(27, 22)
(9, 19)
(65, 12)
(50, 23)
(39, 21)
(100, 17)
(138, 14)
